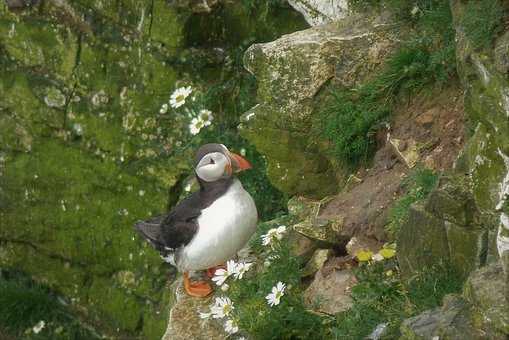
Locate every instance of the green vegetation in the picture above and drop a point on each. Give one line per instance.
(288, 320)
(482, 21)
(350, 121)
(418, 185)
(381, 297)
(425, 59)
(24, 303)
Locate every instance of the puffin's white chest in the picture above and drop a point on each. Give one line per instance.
(224, 228)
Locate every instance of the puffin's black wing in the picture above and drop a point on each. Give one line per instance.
(180, 225)
(151, 231)
(176, 229)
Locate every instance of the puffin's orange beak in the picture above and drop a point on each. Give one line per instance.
(239, 164)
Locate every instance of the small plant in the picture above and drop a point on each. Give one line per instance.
(482, 21)
(349, 123)
(418, 185)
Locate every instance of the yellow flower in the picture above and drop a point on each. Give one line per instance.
(364, 255)
(387, 252)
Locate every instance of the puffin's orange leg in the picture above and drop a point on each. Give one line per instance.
(196, 289)
(212, 271)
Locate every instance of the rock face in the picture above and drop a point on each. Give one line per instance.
(319, 12)
(77, 111)
(451, 321)
(330, 291)
(485, 290)
(484, 77)
(185, 322)
(290, 73)
(482, 312)
(444, 228)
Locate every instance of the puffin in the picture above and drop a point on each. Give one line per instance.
(211, 225)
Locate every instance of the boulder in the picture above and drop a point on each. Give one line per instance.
(482, 312)
(444, 228)
(330, 291)
(325, 233)
(293, 73)
(449, 322)
(319, 12)
(485, 289)
(184, 318)
(316, 261)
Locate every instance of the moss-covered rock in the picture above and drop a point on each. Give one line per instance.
(78, 128)
(451, 322)
(444, 228)
(422, 241)
(291, 72)
(482, 70)
(485, 290)
(480, 313)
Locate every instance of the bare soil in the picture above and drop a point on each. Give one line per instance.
(436, 123)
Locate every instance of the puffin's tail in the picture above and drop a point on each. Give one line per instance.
(151, 231)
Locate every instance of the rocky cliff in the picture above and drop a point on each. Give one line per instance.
(386, 123)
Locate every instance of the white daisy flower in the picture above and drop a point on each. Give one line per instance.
(206, 116)
(196, 125)
(178, 97)
(221, 275)
(241, 269)
(221, 308)
(274, 298)
(273, 235)
(164, 108)
(39, 327)
(231, 327)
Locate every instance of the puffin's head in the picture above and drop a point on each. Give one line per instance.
(214, 161)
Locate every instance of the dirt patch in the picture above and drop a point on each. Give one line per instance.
(429, 128)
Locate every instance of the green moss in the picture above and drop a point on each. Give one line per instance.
(163, 24)
(24, 303)
(53, 49)
(482, 21)
(97, 245)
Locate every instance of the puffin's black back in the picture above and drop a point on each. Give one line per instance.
(179, 226)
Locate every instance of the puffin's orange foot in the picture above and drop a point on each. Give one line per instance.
(196, 289)
(212, 271)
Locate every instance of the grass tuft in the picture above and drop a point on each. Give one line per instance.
(418, 186)
(426, 59)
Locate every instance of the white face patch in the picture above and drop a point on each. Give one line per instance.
(212, 166)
